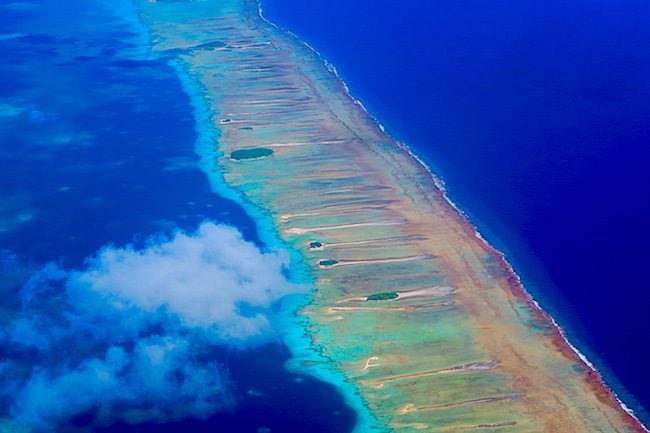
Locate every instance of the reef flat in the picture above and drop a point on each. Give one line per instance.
(425, 319)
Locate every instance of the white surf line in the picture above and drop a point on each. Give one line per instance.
(380, 261)
(369, 421)
(439, 182)
(302, 231)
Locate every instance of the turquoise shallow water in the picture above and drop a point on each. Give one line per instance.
(305, 357)
(100, 149)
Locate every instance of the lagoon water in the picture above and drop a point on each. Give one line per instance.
(536, 116)
(98, 148)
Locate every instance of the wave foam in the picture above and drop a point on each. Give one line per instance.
(440, 184)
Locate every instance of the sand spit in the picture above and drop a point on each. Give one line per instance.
(332, 310)
(302, 231)
(426, 292)
(380, 261)
(475, 401)
(374, 213)
(341, 212)
(477, 366)
(372, 241)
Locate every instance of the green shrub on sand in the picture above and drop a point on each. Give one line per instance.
(254, 153)
(382, 296)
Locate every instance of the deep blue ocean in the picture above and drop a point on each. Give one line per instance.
(97, 147)
(537, 117)
(535, 114)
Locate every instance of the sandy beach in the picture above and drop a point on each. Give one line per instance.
(461, 346)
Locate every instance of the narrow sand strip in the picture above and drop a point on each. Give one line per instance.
(300, 100)
(477, 366)
(331, 310)
(287, 217)
(470, 402)
(426, 292)
(381, 261)
(302, 231)
(305, 143)
(498, 425)
(374, 241)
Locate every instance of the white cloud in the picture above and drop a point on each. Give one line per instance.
(202, 279)
(133, 335)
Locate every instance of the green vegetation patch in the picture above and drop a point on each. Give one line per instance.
(382, 296)
(254, 153)
(315, 244)
(328, 262)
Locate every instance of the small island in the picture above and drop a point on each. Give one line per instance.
(386, 296)
(252, 153)
(466, 348)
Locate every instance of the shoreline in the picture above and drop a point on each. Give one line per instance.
(299, 344)
(560, 341)
(305, 357)
(440, 185)
(599, 382)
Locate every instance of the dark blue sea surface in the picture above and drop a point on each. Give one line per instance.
(97, 147)
(269, 400)
(537, 116)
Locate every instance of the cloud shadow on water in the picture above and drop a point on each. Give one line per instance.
(141, 334)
